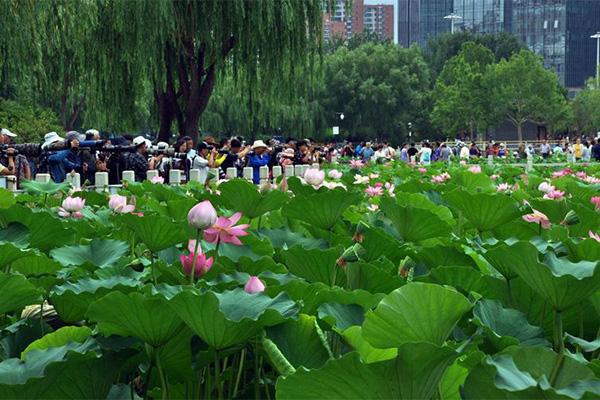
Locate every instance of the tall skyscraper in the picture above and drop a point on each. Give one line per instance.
(420, 20)
(378, 18)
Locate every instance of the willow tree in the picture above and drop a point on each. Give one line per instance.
(181, 47)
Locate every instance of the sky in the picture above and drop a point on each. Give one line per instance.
(395, 4)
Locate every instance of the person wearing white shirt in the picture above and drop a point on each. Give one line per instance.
(203, 160)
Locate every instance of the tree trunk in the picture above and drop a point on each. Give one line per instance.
(520, 132)
(186, 102)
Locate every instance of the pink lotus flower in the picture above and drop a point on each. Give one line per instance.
(563, 172)
(463, 162)
(314, 177)
(373, 176)
(202, 215)
(592, 179)
(439, 179)
(203, 264)
(118, 204)
(225, 230)
(538, 218)
(360, 180)
(254, 285)
(545, 187)
(71, 207)
(594, 236)
(157, 179)
(422, 170)
(335, 174)
(390, 189)
(356, 164)
(581, 175)
(374, 191)
(476, 169)
(503, 187)
(554, 195)
(596, 201)
(494, 177)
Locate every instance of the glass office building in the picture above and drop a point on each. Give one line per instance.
(482, 15)
(419, 20)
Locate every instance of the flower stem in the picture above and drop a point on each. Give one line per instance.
(239, 374)
(256, 371)
(218, 377)
(161, 374)
(195, 257)
(559, 344)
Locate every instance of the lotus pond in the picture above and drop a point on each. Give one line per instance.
(378, 282)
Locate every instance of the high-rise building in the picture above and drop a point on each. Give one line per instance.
(420, 20)
(379, 18)
(557, 30)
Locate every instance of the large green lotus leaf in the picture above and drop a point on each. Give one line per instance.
(419, 200)
(7, 198)
(583, 344)
(301, 342)
(229, 318)
(366, 276)
(517, 229)
(416, 312)
(414, 224)
(312, 295)
(485, 211)
(452, 380)
(315, 265)
(414, 374)
(588, 221)
(504, 257)
(36, 265)
(253, 247)
(73, 371)
(100, 252)
(147, 317)
(437, 255)
(283, 238)
(16, 337)
(505, 326)
(468, 280)
(561, 282)
(322, 209)
(555, 210)
(10, 252)
(179, 209)
(58, 338)
(49, 187)
(368, 354)
(15, 233)
(157, 232)
(524, 372)
(47, 231)
(341, 316)
(244, 196)
(176, 356)
(473, 182)
(72, 299)
(17, 292)
(378, 243)
(588, 249)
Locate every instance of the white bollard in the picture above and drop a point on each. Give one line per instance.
(194, 175)
(263, 174)
(490, 159)
(276, 171)
(151, 174)
(175, 176)
(231, 172)
(3, 182)
(42, 178)
(11, 183)
(74, 180)
(248, 172)
(315, 165)
(289, 171)
(215, 173)
(298, 170)
(128, 176)
(304, 169)
(334, 159)
(529, 167)
(101, 179)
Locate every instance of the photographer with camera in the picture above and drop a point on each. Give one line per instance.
(11, 162)
(63, 161)
(138, 161)
(204, 159)
(235, 157)
(303, 154)
(259, 157)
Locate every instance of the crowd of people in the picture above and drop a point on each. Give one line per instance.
(87, 154)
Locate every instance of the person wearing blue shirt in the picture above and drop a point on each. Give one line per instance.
(64, 161)
(258, 158)
(367, 152)
(358, 149)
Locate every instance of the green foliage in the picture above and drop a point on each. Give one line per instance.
(29, 122)
(585, 108)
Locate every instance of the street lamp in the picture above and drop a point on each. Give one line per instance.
(452, 17)
(597, 37)
(409, 130)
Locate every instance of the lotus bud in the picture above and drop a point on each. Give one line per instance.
(359, 233)
(254, 285)
(351, 254)
(203, 215)
(314, 177)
